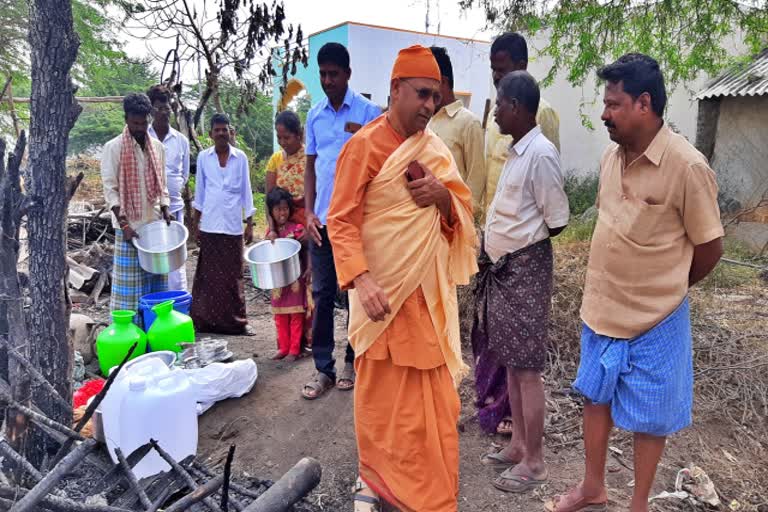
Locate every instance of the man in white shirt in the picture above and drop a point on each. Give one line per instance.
(515, 284)
(176, 164)
(133, 177)
(222, 197)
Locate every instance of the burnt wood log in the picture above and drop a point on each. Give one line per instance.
(55, 503)
(7, 451)
(116, 475)
(39, 492)
(291, 488)
(154, 487)
(227, 475)
(22, 361)
(132, 480)
(190, 481)
(197, 496)
(40, 418)
(201, 471)
(92, 458)
(205, 476)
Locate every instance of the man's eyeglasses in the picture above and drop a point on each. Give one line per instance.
(425, 93)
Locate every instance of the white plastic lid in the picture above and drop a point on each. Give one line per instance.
(137, 384)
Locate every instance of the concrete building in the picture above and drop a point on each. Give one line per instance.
(733, 134)
(372, 51)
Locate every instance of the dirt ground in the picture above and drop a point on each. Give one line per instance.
(273, 427)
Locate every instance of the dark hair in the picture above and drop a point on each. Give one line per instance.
(137, 104)
(444, 63)
(521, 86)
(333, 53)
(638, 74)
(159, 93)
(276, 196)
(290, 122)
(512, 43)
(219, 118)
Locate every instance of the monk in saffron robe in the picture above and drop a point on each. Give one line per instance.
(403, 244)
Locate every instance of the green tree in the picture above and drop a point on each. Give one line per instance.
(99, 122)
(14, 18)
(234, 38)
(686, 36)
(99, 57)
(252, 118)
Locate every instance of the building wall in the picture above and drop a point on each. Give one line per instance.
(741, 149)
(373, 51)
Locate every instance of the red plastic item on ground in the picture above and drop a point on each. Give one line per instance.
(87, 390)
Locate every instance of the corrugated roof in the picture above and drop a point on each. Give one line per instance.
(751, 80)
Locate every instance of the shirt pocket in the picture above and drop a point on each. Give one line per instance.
(231, 182)
(648, 224)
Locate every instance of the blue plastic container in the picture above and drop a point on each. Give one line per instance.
(181, 303)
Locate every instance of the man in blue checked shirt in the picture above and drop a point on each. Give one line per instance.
(330, 124)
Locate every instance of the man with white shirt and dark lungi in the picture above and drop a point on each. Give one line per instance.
(222, 198)
(515, 284)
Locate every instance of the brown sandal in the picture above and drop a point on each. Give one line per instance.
(319, 385)
(518, 483)
(582, 505)
(347, 375)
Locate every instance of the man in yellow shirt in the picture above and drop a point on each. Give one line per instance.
(462, 132)
(509, 52)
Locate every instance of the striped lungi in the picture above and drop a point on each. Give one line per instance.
(129, 281)
(647, 380)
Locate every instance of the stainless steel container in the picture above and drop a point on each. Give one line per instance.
(274, 265)
(162, 247)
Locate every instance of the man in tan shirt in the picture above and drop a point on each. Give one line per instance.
(658, 233)
(509, 52)
(461, 131)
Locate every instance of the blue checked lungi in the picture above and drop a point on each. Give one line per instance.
(647, 380)
(129, 281)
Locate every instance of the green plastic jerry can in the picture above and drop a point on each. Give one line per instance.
(170, 328)
(114, 342)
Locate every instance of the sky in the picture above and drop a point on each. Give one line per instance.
(317, 15)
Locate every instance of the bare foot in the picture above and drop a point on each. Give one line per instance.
(505, 427)
(278, 356)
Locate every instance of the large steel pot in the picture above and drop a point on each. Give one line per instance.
(274, 265)
(162, 247)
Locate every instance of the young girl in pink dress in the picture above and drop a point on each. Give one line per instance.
(289, 304)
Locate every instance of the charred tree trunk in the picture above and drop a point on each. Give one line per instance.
(12, 322)
(11, 199)
(53, 112)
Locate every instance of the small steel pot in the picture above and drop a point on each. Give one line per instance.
(162, 247)
(274, 265)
